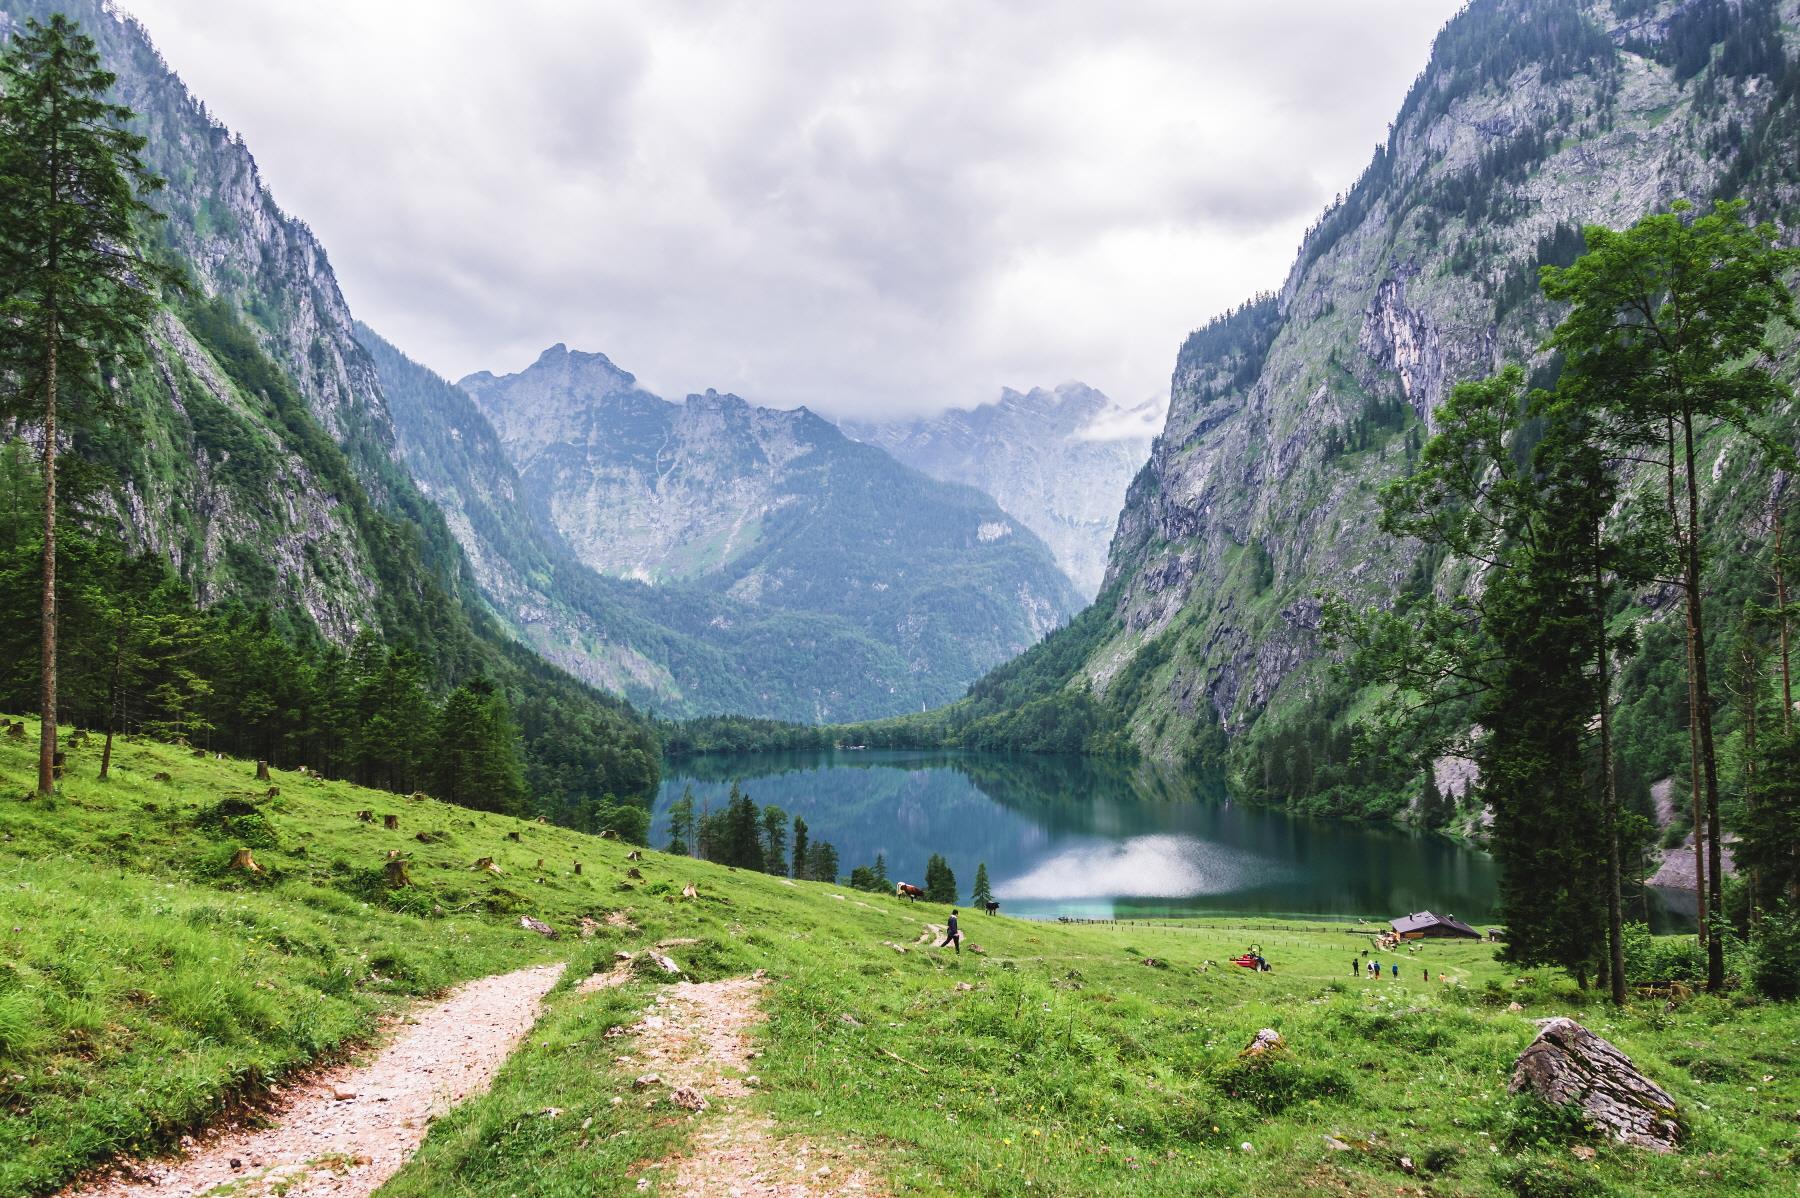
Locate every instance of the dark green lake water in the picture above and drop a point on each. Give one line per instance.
(1070, 836)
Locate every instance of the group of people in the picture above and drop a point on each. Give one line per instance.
(1373, 968)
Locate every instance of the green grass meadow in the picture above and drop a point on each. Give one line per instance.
(145, 986)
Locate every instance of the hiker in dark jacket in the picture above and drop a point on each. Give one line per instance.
(951, 935)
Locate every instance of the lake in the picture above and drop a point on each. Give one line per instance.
(1073, 836)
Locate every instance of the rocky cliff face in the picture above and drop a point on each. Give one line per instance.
(218, 483)
(1058, 461)
(643, 488)
(763, 518)
(1533, 118)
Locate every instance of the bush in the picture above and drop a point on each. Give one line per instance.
(1650, 959)
(1775, 953)
(1273, 1081)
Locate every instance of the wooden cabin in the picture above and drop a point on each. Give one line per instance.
(1424, 925)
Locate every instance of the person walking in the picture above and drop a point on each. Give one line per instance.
(952, 935)
(1355, 967)
(1395, 967)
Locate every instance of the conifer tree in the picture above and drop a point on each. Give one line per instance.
(75, 291)
(940, 882)
(1666, 335)
(801, 859)
(774, 837)
(880, 873)
(477, 763)
(681, 823)
(742, 832)
(982, 894)
(822, 861)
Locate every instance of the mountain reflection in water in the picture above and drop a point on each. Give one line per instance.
(1074, 836)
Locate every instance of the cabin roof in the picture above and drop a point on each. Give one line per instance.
(1418, 921)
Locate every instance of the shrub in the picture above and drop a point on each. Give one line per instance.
(1274, 1081)
(1651, 959)
(1775, 953)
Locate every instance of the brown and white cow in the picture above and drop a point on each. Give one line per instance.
(908, 890)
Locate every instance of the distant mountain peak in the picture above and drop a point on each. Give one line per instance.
(1056, 459)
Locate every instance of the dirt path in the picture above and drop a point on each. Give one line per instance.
(696, 1044)
(345, 1131)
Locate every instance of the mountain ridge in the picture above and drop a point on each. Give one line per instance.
(1035, 453)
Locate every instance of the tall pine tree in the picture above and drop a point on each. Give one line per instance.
(77, 292)
(1667, 334)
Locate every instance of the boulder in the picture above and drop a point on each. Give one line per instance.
(1571, 1066)
(1266, 1041)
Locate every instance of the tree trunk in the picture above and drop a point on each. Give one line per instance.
(47, 648)
(112, 701)
(1615, 914)
(1702, 713)
(1781, 608)
(1693, 733)
(262, 771)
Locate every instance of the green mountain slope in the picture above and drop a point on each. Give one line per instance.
(256, 455)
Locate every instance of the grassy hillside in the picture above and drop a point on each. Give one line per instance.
(144, 983)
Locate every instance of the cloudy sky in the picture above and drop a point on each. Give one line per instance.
(868, 208)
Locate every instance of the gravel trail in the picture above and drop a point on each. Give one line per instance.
(344, 1131)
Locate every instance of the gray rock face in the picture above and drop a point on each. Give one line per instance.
(232, 526)
(1567, 1065)
(1288, 415)
(741, 518)
(1058, 461)
(643, 488)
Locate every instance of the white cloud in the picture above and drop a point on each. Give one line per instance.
(867, 208)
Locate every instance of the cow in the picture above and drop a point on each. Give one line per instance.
(992, 905)
(908, 890)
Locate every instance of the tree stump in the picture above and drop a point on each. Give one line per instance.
(391, 822)
(397, 875)
(1570, 1066)
(199, 753)
(485, 865)
(244, 861)
(540, 864)
(272, 792)
(634, 872)
(609, 834)
(262, 771)
(424, 837)
(16, 731)
(57, 761)
(634, 855)
(161, 776)
(514, 835)
(578, 869)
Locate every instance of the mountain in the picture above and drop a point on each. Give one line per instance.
(860, 587)
(1287, 414)
(1058, 461)
(255, 456)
